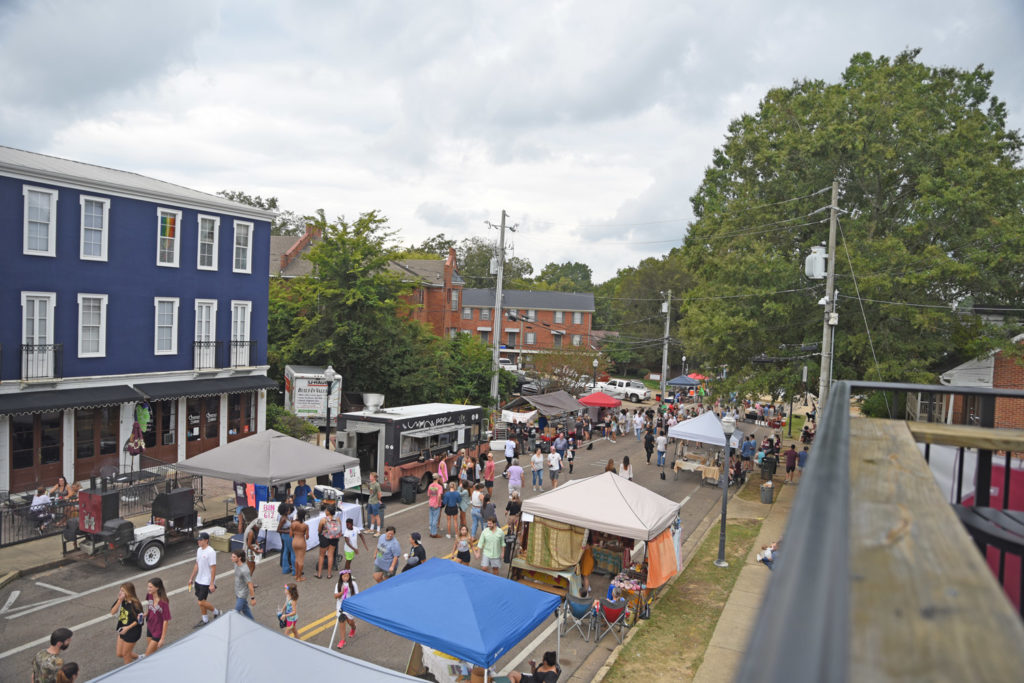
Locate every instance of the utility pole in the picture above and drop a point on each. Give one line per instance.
(664, 346)
(831, 317)
(497, 309)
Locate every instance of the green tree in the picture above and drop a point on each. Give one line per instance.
(570, 276)
(475, 254)
(437, 245)
(286, 223)
(932, 191)
(281, 420)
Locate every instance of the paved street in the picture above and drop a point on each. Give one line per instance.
(80, 595)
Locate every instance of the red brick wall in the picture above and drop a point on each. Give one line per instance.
(544, 338)
(1008, 374)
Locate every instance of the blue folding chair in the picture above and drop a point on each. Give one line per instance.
(579, 612)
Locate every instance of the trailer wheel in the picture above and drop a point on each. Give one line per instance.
(427, 479)
(150, 556)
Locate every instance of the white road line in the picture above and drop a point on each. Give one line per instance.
(77, 628)
(57, 588)
(685, 501)
(20, 612)
(525, 652)
(10, 601)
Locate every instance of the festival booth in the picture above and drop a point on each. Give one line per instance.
(598, 401)
(633, 532)
(454, 612)
(235, 649)
(270, 458)
(704, 429)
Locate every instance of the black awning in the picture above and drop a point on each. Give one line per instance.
(158, 391)
(58, 399)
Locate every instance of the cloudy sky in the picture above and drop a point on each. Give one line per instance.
(591, 122)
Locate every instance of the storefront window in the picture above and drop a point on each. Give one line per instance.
(212, 417)
(22, 441)
(96, 432)
(241, 414)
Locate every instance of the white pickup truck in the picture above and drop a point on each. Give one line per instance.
(626, 389)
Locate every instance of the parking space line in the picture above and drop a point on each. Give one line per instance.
(65, 591)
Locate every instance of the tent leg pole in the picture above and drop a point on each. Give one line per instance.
(330, 644)
(558, 642)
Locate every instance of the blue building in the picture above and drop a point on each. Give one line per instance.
(127, 300)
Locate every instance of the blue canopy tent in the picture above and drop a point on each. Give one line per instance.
(485, 614)
(683, 381)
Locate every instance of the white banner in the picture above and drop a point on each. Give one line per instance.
(511, 416)
(353, 478)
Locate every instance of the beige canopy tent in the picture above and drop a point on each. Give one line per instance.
(607, 503)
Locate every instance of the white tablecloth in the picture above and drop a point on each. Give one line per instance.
(353, 511)
(440, 665)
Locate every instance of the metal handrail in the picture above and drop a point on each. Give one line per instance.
(808, 593)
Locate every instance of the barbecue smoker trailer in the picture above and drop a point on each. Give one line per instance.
(409, 441)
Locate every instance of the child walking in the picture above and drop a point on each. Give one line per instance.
(346, 588)
(290, 611)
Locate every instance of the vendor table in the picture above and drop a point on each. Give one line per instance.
(352, 511)
(568, 575)
(443, 667)
(607, 561)
(709, 473)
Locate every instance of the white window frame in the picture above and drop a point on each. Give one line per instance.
(177, 237)
(455, 300)
(199, 241)
(173, 351)
(102, 352)
(104, 229)
(209, 355)
(485, 314)
(531, 339)
(51, 242)
(577, 340)
(52, 296)
(467, 313)
(235, 306)
(531, 315)
(247, 227)
(559, 316)
(577, 317)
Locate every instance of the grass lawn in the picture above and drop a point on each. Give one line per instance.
(671, 645)
(752, 490)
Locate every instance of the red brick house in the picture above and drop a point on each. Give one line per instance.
(544, 320)
(437, 291)
(996, 370)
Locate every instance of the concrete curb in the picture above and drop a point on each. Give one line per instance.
(8, 577)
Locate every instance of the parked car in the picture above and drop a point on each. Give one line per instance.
(626, 389)
(507, 364)
(540, 385)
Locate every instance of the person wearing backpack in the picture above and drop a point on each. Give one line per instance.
(329, 532)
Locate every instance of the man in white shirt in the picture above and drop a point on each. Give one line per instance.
(638, 424)
(39, 511)
(661, 445)
(203, 578)
(510, 452)
(554, 465)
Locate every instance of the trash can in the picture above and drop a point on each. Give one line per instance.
(510, 546)
(766, 494)
(409, 486)
(657, 398)
(768, 465)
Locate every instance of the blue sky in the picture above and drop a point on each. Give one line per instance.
(590, 122)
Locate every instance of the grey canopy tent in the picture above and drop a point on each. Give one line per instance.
(267, 458)
(555, 403)
(235, 649)
(683, 381)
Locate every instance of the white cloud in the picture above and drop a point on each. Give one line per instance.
(590, 122)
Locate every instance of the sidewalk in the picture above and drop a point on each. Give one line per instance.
(44, 553)
(729, 642)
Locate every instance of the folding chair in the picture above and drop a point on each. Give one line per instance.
(579, 612)
(611, 616)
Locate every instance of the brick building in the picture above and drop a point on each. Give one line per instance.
(437, 291)
(996, 370)
(544, 320)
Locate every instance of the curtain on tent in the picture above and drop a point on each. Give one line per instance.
(661, 559)
(554, 545)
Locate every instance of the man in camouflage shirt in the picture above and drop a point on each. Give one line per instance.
(48, 662)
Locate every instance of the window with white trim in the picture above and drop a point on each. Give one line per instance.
(209, 229)
(40, 229)
(95, 216)
(37, 358)
(455, 299)
(531, 338)
(240, 347)
(577, 318)
(531, 315)
(205, 349)
(165, 331)
(243, 248)
(559, 316)
(485, 314)
(467, 313)
(577, 339)
(168, 246)
(92, 325)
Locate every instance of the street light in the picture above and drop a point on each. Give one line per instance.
(330, 375)
(728, 426)
(684, 365)
(595, 374)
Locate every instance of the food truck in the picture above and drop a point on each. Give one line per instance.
(409, 441)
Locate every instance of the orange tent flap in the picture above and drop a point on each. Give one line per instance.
(661, 559)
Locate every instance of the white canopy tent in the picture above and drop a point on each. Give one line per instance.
(235, 649)
(607, 503)
(704, 428)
